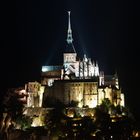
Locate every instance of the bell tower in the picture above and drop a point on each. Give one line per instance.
(69, 56)
(70, 53)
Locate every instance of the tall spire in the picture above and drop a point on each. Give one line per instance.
(69, 33)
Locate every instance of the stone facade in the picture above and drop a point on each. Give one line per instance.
(80, 80)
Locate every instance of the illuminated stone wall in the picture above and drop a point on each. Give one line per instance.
(84, 93)
(108, 93)
(90, 101)
(122, 100)
(101, 95)
(115, 96)
(74, 92)
(35, 92)
(90, 94)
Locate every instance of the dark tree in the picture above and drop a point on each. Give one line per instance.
(73, 103)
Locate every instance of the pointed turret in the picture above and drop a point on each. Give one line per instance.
(70, 47)
(69, 33)
(116, 80)
(96, 69)
(101, 78)
(70, 54)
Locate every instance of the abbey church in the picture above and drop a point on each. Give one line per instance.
(80, 80)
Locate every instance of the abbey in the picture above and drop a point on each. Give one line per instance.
(80, 80)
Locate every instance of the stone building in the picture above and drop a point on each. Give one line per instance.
(80, 80)
(34, 92)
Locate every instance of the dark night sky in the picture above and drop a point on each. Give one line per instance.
(103, 29)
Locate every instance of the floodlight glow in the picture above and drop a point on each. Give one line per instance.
(44, 69)
(37, 122)
(122, 100)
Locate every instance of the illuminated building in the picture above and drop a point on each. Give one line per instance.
(80, 80)
(33, 107)
(34, 92)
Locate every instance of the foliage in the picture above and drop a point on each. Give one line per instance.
(23, 121)
(73, 103)
(105, 106)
